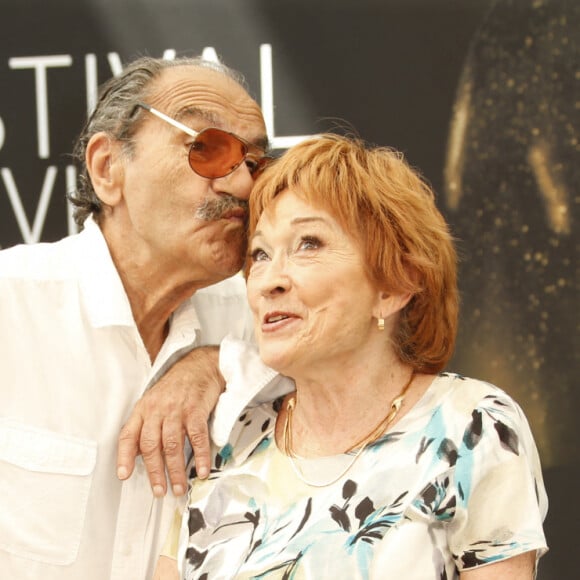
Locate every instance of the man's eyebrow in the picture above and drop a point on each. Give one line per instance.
(263, 143)
(197, 113)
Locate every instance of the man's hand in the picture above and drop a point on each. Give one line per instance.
(178, 404)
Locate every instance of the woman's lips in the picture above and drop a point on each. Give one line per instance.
(273, 321)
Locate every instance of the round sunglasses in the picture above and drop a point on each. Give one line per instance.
(216, 153)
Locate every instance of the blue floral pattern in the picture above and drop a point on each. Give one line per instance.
(456, 485)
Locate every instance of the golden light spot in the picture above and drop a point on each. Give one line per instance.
(456, 146)
(554, 194)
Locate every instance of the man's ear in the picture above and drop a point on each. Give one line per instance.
(104, 164)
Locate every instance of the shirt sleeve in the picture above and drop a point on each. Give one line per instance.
(172, 541)
(501, 500)
(249, 382)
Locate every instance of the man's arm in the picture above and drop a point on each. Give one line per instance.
(179, 403)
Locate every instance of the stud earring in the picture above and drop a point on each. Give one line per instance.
(381, 323)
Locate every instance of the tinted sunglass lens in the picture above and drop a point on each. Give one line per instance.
(215, 153)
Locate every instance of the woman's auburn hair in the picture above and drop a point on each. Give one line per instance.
(390, 210)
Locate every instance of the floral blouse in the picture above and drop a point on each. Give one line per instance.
(455, 484)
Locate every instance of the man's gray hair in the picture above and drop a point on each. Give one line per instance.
(116, 113)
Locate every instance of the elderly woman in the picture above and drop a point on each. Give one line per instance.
(378, 464)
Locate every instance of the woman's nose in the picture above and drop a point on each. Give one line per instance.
(276, 279)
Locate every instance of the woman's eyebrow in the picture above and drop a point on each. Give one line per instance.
(294, 221)
(307, 219)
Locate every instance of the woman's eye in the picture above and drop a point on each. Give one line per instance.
(310, 243)
(258, 255)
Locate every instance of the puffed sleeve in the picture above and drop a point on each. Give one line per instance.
(501, 500)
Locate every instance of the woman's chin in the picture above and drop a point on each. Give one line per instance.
(279, 361)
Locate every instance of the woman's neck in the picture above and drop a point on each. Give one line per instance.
(336, 411)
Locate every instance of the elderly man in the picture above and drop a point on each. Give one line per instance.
(90, 322)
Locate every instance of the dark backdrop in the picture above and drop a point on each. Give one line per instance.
(481, 95)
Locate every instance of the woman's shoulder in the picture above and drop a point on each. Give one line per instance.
(454, 405)
(467, 394)
(479, 410)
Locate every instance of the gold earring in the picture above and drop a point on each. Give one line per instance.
(381, 323)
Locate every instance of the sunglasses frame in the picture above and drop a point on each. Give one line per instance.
(260, 162)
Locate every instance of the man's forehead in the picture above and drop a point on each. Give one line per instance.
(200, 88)
(194, 73)
(192, 92)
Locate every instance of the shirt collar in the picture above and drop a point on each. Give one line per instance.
(104, 296)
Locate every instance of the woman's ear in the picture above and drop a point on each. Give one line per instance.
(104, 164)
(388, 304)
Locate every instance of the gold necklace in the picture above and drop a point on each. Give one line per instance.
(394, 408)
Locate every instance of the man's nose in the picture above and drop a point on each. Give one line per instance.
(238, 183)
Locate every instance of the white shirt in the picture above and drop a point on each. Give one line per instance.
(73, 366)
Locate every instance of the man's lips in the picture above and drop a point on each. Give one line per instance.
(238, 213)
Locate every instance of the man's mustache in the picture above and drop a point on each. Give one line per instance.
(215, 209)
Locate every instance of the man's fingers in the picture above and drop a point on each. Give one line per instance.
(198, 433)
(128, 445)
(152, 453)
(173, 442)
(180, 402)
